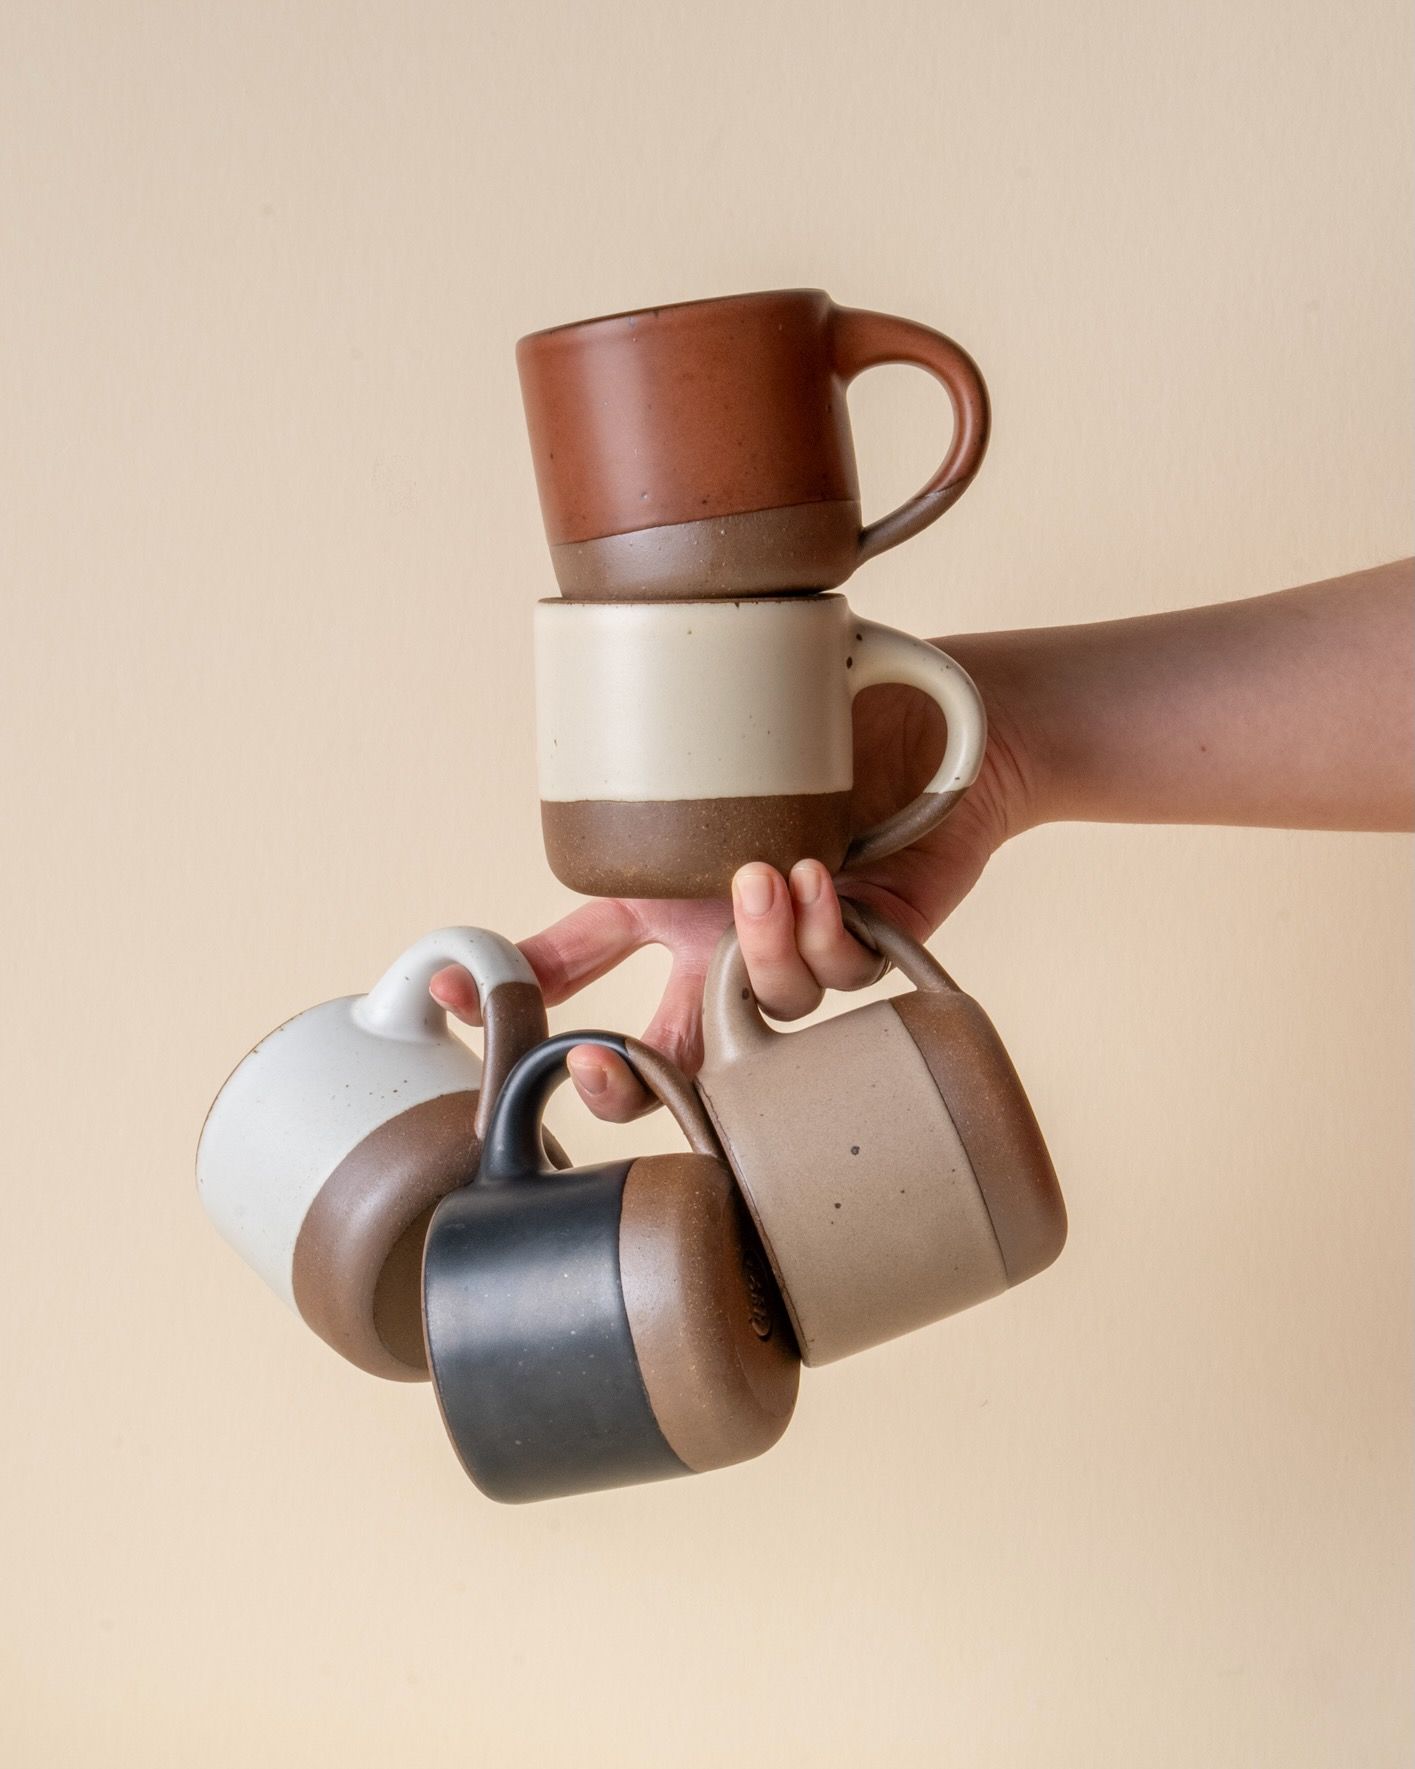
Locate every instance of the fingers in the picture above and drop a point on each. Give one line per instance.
(794, 940)
(766, 929)
(921, 886)
(835, 958)
(577, 950)
(454, 989)
(607, 1084)
(677, 1026)
(583, 945)
(604, 1081)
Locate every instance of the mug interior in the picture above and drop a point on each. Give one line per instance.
(670, 309)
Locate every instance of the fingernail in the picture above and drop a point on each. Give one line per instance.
(590, 1077)
(752, 888)
(806, 881)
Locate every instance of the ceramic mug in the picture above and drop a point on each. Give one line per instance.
(704, 449)
(889, 1156)
(325, 1152)
(607, 1325)
(678, 741)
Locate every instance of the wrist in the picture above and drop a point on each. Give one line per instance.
(1020, 779)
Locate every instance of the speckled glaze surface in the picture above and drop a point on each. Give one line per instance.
(607, 1325)
(325, 1151)
(678, 741)
(704, 448)
(889, 1156)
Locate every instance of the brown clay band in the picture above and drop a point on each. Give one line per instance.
(714, 1349)
(984, 1097)
(687, 847)
(378, 1193)
(357, 1264)
(799, 547)
(513, 1015)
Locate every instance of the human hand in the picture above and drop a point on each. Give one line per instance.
(792, 936)
(1203, 715)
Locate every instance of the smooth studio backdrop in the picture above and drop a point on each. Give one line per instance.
(269, 544)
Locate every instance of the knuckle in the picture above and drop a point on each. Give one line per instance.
(793, 1004)
(550, 969)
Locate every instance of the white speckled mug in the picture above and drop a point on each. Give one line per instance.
(679, 740)
(324, 1155)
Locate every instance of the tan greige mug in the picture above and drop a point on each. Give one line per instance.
(677, 741)
(889, 1156)
(704, 449)
(325, 1153)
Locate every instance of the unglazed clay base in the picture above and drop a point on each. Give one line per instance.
(386, 1186)
(715, 1352)
(678, 416)
(679, 740)
(603, 1326)
(984, 1097)
(323, 1155)
(763, 552)
(688, 847)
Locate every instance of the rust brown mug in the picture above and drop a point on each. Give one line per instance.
(704, 449)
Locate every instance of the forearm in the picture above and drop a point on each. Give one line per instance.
(1295, 710)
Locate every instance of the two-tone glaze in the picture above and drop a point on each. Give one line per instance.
(704, 448)
(607, 1325)
(678, 741)
(326, 1150)
(889, 1156)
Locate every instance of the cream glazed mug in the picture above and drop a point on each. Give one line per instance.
(677, 741)
(889, 1156)
(327, 1150)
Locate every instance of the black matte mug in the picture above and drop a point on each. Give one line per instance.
(602, 1326)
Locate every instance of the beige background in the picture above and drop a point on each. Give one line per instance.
(269, 545)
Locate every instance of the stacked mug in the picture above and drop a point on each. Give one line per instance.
(591, 1327)
(694, 678)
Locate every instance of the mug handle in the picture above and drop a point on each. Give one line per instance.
(513, 1010)
(513, 1138)
(862, 340)
(732, 1021)
(883, 654)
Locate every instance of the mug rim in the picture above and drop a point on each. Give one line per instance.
(785, 598)
(546, 334)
